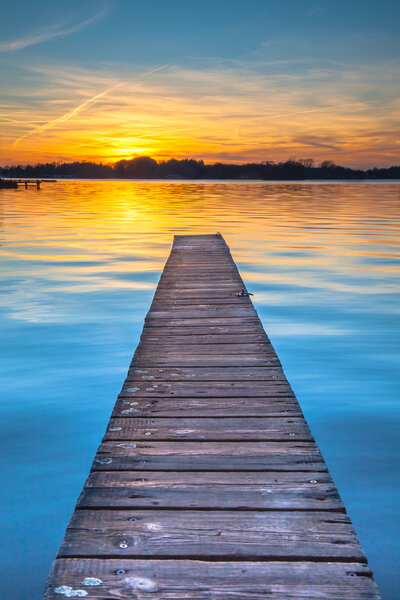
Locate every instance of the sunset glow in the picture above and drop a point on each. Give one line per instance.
(273, 102)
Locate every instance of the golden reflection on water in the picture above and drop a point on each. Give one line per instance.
(304, 215)
(314, 235)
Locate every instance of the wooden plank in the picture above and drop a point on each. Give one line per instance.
(177, 302)
(155, 337)
(188, 299)
(208, 456)
(268, 373)
(214, 389)
(166, 347)
(211, 490)
(211, 312)
(194, 276)
(193, 322)
(276, 535)
(204, 360)
(116, 579)
(202, 373)
(209, 428)
(204, 329)
(273, 406)
(190, 351)
(205, 285)
(193, 295)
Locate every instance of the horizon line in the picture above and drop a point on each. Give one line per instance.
(309, 163)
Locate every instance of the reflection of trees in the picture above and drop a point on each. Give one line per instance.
(144, 167)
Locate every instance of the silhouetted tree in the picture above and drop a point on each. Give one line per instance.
(145, 167)
(142, 167)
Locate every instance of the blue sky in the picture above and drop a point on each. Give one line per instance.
(328, 71)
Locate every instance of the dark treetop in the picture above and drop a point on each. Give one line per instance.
(144, 167)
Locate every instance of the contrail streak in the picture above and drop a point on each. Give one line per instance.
(49, 35)
(313, 110)
(79, 108)
(67, 115)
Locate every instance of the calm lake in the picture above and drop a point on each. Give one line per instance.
(80, 261)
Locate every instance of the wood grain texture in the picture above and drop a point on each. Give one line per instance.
(156, 337)
(213, 374)
(202, 360)
(209, 428)
(163, 347)
(247, 534)
(211, 490)
(118, 579)
(208, 483)
(208, 456)
(211, 389)
(267, 406)
(204, 329)
(193, 322)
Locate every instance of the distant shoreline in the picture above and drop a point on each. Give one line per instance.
(205, 180)
(146, 168)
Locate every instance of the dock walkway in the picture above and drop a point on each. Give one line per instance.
(14, 182)
(208, 483)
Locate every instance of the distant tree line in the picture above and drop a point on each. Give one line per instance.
(144, 167)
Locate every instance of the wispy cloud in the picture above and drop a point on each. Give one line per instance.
(210, 112)
(67, 115)
(50, 33)
(83, 105)
(314, 141)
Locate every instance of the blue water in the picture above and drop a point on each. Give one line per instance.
(80, 261)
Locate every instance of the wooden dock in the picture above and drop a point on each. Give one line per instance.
(14, 182)
(208, 483)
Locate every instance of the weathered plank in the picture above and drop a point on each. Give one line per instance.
(242, 375)
(158, 337)
(185, 303)
(114, 579)
(267, 406)
(167, 347)
(211, 490)
(203, 329)
(207, 456)
(242, 534)
(209, 312)
(194, 322)
(209, 428)
(187, 360)
(192, 389)
(202, 373)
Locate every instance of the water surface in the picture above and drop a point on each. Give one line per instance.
(80, 262)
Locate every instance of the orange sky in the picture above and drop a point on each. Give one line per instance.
(209, 114)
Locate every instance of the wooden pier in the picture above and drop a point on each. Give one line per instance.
(208, 483)
(14, 182)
